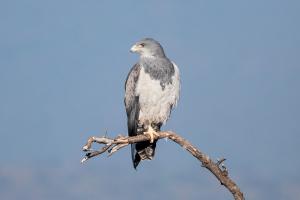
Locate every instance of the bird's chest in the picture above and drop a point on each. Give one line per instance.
(154, 101)
(150, 90)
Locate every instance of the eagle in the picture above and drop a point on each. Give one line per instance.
(151, 91)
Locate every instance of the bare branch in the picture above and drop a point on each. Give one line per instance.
(217, 168)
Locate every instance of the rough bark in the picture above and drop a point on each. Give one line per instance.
(217, 168)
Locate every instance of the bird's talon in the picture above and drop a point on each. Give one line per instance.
(151, 136)
(151, 133)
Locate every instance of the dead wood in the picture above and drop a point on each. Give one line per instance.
(217, 168)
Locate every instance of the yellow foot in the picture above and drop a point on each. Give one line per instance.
(151, 132)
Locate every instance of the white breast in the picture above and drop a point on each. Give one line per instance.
(156, 103)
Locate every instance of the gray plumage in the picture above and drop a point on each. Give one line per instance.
(151, 91)
(159, 69)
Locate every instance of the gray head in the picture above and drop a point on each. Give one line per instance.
(148, 47)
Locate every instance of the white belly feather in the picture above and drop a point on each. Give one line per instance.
(155, 103)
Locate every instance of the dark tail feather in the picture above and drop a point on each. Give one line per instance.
(143, 150)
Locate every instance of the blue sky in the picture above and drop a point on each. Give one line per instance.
(62, 70)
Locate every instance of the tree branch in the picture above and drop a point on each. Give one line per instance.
(217, 168)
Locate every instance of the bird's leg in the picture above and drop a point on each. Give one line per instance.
(140, 128)
(151, 132)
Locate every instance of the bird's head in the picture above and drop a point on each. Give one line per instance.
(148, 47)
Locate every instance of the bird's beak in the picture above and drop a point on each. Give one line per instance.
(134, 48)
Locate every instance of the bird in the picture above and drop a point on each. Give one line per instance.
(152, 90)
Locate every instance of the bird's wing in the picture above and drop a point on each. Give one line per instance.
(130, 99)
(132, 105)
(176, 82)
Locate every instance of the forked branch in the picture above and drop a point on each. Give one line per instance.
(217, 168)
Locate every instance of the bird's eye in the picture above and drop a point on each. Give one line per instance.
(142, 45)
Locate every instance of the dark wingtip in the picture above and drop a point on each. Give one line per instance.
(136, 161)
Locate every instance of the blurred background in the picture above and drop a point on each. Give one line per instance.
(62, 70)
